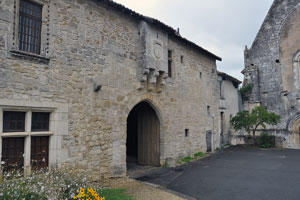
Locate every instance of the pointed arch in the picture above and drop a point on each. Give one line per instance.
(143, 135)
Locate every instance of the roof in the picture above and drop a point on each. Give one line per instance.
(226, 76)
(168, 29)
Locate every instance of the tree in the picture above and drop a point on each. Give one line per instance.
(250, 121)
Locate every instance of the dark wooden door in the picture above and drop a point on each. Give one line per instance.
(39, 152)
(208, 141)
(148, 136)
(12, 153)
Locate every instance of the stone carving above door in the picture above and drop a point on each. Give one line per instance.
(153, 68)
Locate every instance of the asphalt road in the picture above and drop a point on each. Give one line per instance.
(237, 173)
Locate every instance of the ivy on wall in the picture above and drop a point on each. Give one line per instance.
(246, 91)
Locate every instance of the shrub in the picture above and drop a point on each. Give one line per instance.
(55, 184)
(266, 140)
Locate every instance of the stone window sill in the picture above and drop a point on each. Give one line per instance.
(30, 56)
(15, 134)
(46, 133)
(24, 134)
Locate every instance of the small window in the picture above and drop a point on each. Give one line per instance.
(181, 59)
(169, 63)
(13, 121)
(40, 121)
(30, 23)
(200, 74)
(208, 110)
(186, 132)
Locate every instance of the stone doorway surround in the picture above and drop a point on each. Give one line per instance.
(143, 136)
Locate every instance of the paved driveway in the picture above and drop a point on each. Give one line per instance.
(243, 173)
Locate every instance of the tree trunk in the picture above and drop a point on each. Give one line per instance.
(254, 138)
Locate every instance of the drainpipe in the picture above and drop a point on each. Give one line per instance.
(213, 132)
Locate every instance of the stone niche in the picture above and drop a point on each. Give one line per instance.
(153, 59)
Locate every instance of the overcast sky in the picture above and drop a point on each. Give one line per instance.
(223, 27)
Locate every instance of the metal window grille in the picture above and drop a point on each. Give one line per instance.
(13, 121)
(12, 153)
(39, 152)
(40, 121)
(30, 22)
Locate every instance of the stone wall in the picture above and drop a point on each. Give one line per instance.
(269, 65)
(229, 106)
(89, 44)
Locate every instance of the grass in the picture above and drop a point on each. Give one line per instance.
(199, 154)
(114, 194)
(189, 158)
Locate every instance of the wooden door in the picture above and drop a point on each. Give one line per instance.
(39, 152)
(208, 141)
(12, 153)
(148, 136)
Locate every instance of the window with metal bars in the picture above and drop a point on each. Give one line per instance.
(30, 23)
(39, 152)
(12, 153)
(40, 121)
(13, 122)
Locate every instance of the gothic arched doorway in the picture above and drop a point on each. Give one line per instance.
(143, 136)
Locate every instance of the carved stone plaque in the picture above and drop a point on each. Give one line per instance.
(157, 50)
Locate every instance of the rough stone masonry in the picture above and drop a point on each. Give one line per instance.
(272, 65)
(97, 61)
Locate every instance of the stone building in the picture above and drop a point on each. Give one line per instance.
(93, 85)
(229, 106)
(272, 65)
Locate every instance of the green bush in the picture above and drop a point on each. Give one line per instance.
(266, 140)
(55, 184)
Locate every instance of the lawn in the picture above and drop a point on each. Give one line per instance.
(114, 194)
